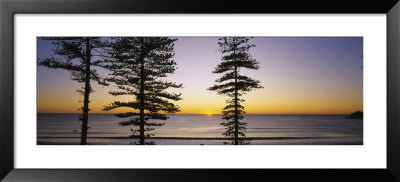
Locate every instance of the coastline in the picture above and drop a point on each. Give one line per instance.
(344, 140)
(63, 129)
(204, 138)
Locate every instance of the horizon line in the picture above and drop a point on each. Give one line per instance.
(221, 114)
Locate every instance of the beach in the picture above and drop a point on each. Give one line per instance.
(198, 129)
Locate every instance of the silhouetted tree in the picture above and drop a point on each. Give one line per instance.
(138, 66)
(236, 55)
(76, 54)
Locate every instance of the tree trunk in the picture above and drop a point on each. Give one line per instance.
(85, 109)
(142, 76)
(236, 102)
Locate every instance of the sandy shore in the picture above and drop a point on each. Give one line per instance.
(204, 140)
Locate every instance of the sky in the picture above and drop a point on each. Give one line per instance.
(300, 75)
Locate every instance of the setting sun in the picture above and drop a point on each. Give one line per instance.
(209, 113)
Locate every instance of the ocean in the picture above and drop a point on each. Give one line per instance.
(197, 129)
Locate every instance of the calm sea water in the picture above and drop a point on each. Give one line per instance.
(203, 129)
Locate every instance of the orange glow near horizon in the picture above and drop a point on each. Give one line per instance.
(254, 104)
(207, 103)
(259, 102)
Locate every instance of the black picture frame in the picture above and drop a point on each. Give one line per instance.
(8, 8)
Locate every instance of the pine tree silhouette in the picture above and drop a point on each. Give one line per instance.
(138, 66)
(236, 55)
(75, 54)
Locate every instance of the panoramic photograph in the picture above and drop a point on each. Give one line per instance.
(199, 91)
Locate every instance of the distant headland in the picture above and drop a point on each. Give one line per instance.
(355, 115)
